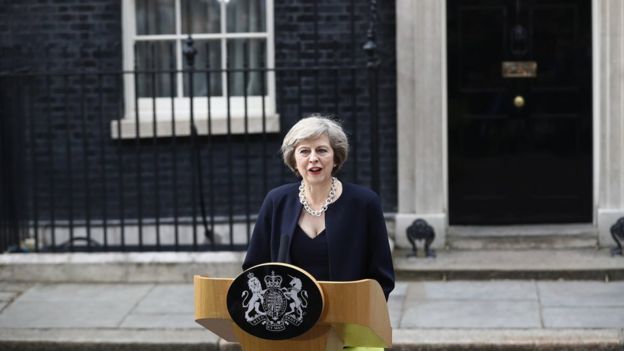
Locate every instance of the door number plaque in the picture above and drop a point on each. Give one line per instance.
(519, 69)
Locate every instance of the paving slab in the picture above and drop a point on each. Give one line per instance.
(581, 293)
(168, 298)
(82, 314)
(471, 314)
(476, 304)
(583, 317)
(87, 292)
(474, 290)
(395, 303)
(73, 305)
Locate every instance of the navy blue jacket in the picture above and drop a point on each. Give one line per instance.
(356, 234)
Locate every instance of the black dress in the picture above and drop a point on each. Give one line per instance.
(310, 254)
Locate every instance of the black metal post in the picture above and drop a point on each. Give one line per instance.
(316, 57)
(263, 78)
(137, 146)
(174, 159)
(120, 165)
(85, 160)
(230, 171)
(246, 141)
(155, 148)
(210, 147)
(51, 166)
(352, 88)
(370, 47)
(28, 111)
(189, 53)
(103, 131)
(69, 189)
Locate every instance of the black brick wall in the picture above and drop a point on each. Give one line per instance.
(343, 93)
(74, 170)
(60, 34)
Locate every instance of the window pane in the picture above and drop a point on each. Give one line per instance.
(205, 16)
(247, 53)
(246, 16)
(155, 17)
(156, 56)
(208, 58)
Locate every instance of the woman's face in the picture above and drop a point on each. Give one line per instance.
(315, 160)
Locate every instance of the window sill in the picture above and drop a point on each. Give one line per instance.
(126, 128)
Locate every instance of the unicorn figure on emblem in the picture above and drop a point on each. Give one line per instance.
(293, 294)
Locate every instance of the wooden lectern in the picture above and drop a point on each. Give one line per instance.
(355, 314)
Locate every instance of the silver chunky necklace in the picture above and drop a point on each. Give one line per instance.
(329, 200)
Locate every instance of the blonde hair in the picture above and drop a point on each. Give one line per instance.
(313, 127)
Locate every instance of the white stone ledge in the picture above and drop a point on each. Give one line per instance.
(126, 128)
(129, 267)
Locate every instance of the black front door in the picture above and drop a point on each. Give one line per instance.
(519, 111)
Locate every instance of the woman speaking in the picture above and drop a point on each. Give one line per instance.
(332, 229)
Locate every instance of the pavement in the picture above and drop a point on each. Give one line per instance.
(476, 314)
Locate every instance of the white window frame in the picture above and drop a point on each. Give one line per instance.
(126, 127)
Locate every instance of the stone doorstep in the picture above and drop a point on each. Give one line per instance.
(527, 243)
(484, 275)
(419, 339)
(580, 264)
(531, 230)
(543, 236)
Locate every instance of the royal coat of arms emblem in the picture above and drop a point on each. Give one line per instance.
(275, 301)
(274, 306)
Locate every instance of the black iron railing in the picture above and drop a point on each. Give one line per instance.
(70, 182)
(104, 160)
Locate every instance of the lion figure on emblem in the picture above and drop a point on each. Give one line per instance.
(256, 297)
(297, 301)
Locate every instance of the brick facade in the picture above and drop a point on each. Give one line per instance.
(67, 139)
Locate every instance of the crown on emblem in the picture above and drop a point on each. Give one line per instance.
(273, 281)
